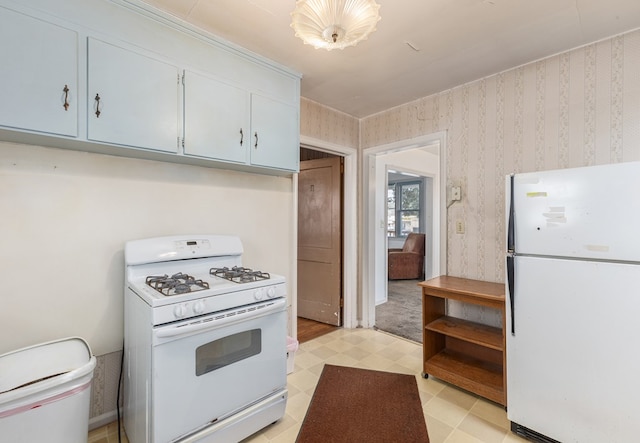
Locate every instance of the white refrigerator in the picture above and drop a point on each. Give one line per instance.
(573, 304)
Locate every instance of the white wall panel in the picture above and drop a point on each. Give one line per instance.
(66, 216)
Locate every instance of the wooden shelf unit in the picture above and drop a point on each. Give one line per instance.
(461, 352)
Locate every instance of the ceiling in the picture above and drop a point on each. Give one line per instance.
(420, 47)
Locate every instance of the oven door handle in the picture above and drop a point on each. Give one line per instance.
(215, 321)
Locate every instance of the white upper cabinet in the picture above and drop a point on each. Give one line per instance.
(275, 132)
(224, 122)
(216, 119)
(39, 75)
(112, 77)
(133, 100)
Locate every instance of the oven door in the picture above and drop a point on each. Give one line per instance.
(208, 368)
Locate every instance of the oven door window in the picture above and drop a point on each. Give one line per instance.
(239, 363)
(228, 350)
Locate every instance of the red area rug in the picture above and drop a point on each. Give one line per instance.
(361, 405)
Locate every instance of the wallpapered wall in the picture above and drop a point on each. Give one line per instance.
(577, 108)
(574, 109)
(322, 123)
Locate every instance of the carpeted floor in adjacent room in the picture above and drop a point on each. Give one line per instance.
(401, 315)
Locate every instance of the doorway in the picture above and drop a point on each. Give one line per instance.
(411, 155)
(319, 257)
(350, 231)
(409, 212)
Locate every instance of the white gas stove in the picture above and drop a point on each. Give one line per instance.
(197, 319)
(184, 277)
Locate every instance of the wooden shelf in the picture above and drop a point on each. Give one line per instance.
(461, 352)
(474, 375)
(479, 334)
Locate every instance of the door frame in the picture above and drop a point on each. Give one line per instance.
(349, 231)
(374, 238)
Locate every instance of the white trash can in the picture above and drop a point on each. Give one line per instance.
(292, 347)
(45, 392)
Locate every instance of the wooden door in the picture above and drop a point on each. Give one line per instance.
(320, 240)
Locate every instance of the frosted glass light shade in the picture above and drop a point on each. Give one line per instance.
(334, 24)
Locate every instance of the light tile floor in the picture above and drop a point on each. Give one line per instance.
(452, 415)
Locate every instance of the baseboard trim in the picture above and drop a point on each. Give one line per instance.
(102, 420)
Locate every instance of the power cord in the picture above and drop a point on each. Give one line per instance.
(118, 393)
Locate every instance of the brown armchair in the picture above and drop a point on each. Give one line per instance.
(408, 262)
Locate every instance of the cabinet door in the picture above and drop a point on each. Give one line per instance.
(39, 60)
(274, 134)
(132, 99)
(216, 119)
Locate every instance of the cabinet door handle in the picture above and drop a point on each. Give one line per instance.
(241, 136)
(97, 99)
(66, 97)
(256, 136)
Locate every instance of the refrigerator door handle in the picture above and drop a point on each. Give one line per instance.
(510, 286)
(511, 230)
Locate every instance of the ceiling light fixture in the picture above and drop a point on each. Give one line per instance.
(334, 24)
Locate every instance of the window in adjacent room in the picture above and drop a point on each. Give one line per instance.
(404, 206)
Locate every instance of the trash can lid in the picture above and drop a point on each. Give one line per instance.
(42, 361)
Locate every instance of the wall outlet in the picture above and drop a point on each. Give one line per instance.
(459, 227)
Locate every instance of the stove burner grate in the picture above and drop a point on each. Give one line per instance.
(239, 274)
(176, 284)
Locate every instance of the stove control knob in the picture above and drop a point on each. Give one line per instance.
(271, 292)
(180, 311)
(198, 308)
(259, 294)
